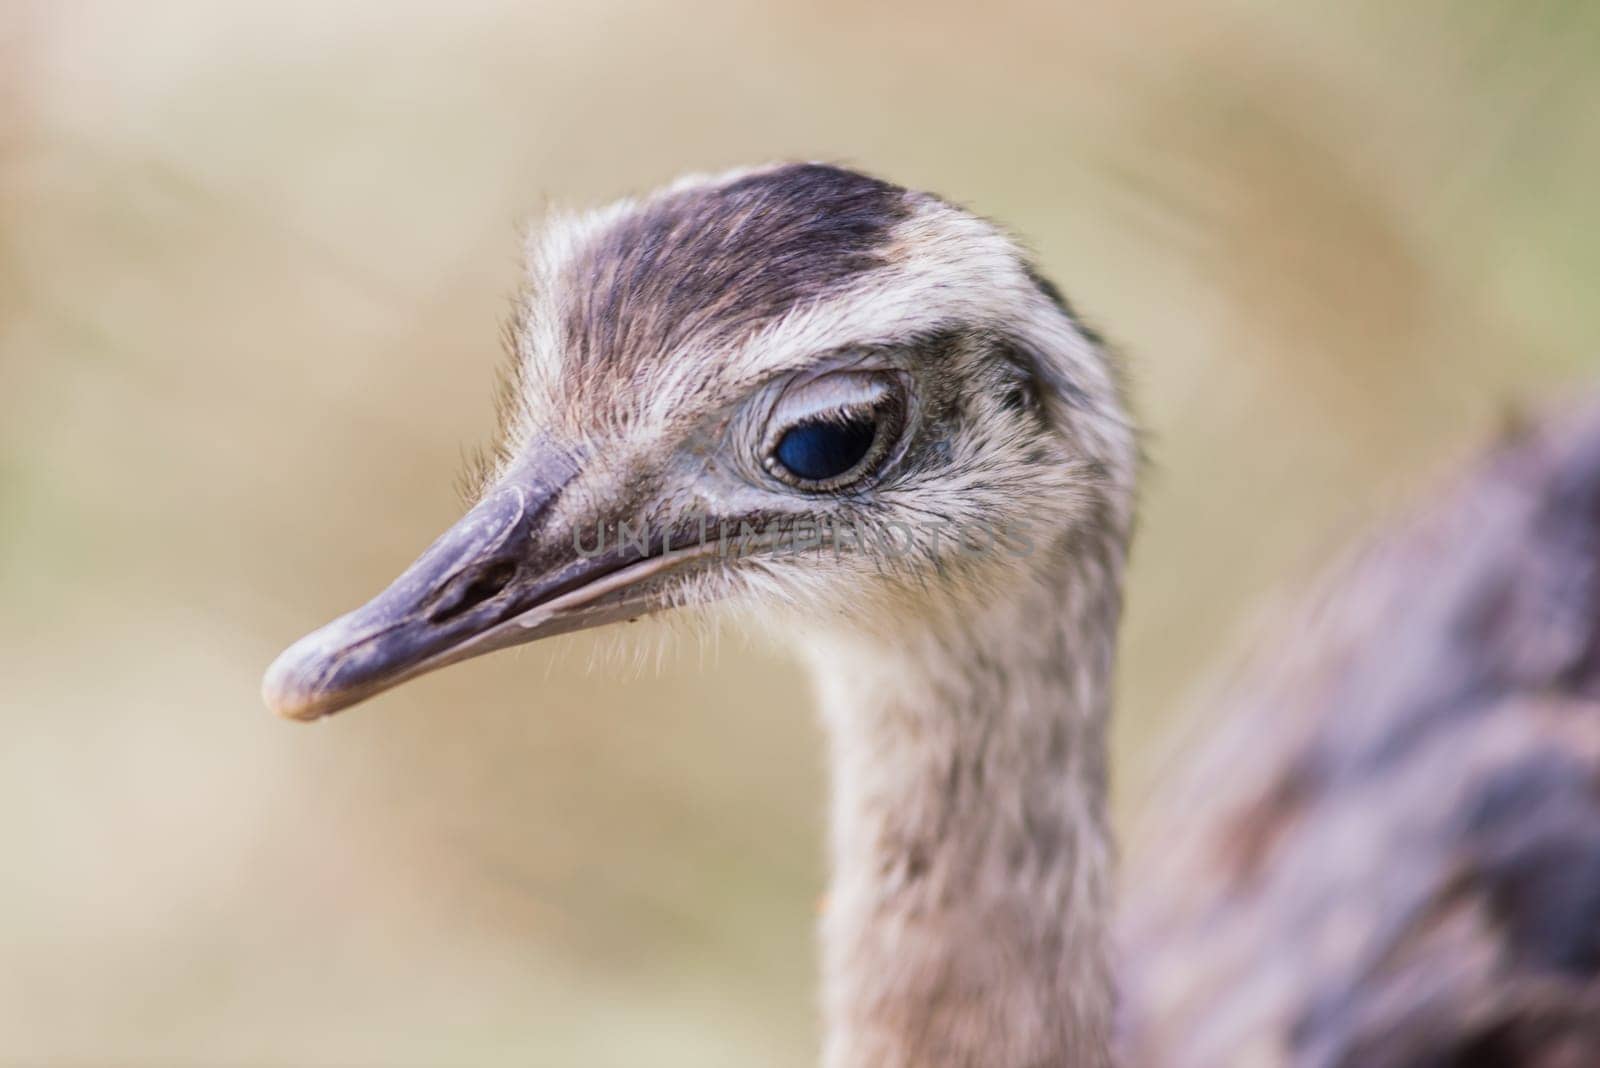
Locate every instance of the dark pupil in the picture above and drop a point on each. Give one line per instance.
(826, 449)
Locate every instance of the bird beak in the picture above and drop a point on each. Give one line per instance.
(505, 574)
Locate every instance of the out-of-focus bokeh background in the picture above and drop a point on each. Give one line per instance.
(253, 263)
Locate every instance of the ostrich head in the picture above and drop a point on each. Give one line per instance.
(797, 388)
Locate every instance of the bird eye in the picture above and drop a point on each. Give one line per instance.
(826, 448)
(833, 430)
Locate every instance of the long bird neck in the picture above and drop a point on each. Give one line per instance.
(965, 924)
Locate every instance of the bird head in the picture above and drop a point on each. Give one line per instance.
(798, 389)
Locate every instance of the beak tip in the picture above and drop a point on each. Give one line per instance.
(283, 690)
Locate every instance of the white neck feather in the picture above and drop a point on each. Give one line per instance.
(965, 926)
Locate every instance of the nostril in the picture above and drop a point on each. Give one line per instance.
(471, 588)
(490, 582)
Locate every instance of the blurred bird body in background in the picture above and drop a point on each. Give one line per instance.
(1379, 844)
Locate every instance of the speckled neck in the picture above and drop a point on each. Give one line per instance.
(966, 922)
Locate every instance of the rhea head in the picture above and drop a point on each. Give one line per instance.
(798, 347)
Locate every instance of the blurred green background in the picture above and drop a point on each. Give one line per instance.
(254, 259)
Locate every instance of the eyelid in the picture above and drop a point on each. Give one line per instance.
(831, 394)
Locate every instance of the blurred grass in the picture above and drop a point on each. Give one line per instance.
(253, 262)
